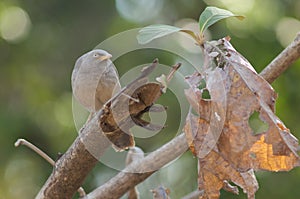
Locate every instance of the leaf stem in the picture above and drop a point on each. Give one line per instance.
(198, 38)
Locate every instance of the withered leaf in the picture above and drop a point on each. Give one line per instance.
(221, 137)
(214, 171)
(126, 109)
(249, 92)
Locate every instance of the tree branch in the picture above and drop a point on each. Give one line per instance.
(45, 156)
(138, 171)
(288, 56)
(125, 181)
(72, 168)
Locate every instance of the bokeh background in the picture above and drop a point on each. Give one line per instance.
(40, 41)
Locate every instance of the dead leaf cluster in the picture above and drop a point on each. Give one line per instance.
(219, 134)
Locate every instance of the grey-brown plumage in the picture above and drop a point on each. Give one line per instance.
(94, 79)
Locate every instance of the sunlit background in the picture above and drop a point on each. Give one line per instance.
(40, 41)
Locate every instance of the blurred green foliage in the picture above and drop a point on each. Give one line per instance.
(40, 41)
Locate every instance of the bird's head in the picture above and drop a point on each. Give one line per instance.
(90, 60)
(98, 55)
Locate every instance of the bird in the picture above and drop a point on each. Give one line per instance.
(94, 80)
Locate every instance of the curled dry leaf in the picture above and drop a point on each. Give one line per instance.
(237, 92)
(126, 109)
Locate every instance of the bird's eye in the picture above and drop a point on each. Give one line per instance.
(96, 55)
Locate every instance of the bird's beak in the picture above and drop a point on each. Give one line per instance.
(105, 57)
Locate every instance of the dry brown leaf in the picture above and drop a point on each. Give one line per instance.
(123, 110)
(214, 171)
(249, 92)
(221, 137)
(126, 108)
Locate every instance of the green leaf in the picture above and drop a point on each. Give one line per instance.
(152, 32)
(211, 15)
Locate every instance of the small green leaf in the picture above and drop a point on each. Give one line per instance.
(152, 32)
(211, 15)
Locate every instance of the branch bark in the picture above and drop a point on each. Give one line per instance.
(138, 171)
(72, 168)
(288, 56)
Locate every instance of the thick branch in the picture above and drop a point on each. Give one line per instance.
(138, 171)
(72, 168)
(288, 56)
(125, 181)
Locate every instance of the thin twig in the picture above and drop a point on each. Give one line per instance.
(35, 149)
(288, 56)
(171, 74)
(46, 157)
